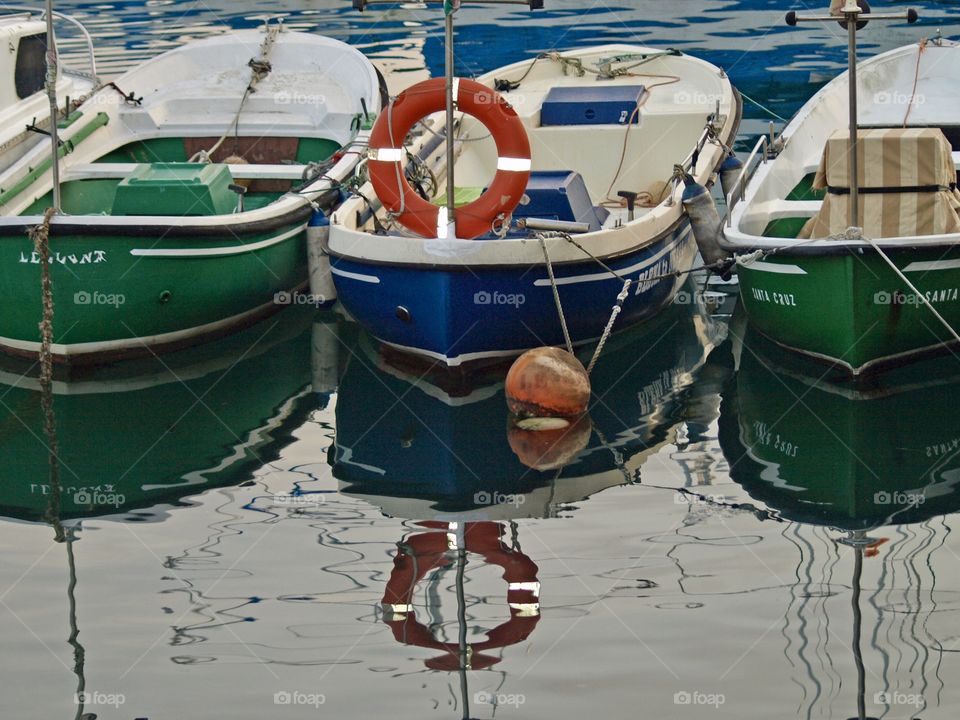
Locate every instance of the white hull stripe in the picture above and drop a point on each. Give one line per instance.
(385, 154)
(514, 164)
(91, 348)
(217, 251)
(593, 277)
(373, 279)
(932, 265)
(761, 266)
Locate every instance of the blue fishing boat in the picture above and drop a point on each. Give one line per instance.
(589, 151)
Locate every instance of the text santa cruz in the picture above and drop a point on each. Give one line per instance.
(88, 258)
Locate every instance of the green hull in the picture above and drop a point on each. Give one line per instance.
(836, 455)
(148, 432)
(851, 309)
(117, 296)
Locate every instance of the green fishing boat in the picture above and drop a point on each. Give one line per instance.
(859, 269)
(186, 189)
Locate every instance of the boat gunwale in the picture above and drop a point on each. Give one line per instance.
(733, 239)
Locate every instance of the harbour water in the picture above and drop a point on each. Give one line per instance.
(287, 523)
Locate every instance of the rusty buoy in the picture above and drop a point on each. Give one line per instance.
(548, 443)
(548, 382)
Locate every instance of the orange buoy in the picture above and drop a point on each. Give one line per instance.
(549, 443)
(548, 382)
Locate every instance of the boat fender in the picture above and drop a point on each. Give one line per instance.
(318, 260)
(547, 382)
(705, 221)
(325, 356)
(547, 444)
(730, 171)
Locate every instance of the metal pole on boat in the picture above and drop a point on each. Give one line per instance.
(51, 83)
(449, 8)
(851, 12)
(853, 15)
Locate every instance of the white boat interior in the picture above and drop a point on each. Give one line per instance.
(901, 93)
(23, 98)
(261, 107)
(600, 121)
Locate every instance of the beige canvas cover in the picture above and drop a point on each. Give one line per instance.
(893, 164)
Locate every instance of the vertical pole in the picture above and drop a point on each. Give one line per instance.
(462, 637)
(854, 138)
(857, 621)
(450, 7)
(51, 83)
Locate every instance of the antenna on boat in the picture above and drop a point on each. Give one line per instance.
(51, 84)
(449, 8)
(855, 17)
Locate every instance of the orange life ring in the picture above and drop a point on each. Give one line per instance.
(386, 158)
(421, 553)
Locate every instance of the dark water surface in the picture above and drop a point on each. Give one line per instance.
(286, 524)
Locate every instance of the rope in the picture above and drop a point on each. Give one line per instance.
(556, 296)
(260, 67)
(916, 80)
(763, 107)
(675, 274)
(40, 235)
(910, 285)
(621, 298)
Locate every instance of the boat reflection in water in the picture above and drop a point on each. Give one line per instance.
(421, 446)
(438, 451)
(202, 418)
(840, 455)
(861, 471)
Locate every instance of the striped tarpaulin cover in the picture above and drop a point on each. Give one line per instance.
(909, 179)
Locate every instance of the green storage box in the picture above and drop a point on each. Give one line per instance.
(177, 189)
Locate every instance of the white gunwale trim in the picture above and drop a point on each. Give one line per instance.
(90, 348)
(859, 370)
(372, 279)
(459, 359)
(762, 266)
(932, 265)
(217, 251)
(593, 277)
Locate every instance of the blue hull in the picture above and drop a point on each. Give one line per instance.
(464, 313)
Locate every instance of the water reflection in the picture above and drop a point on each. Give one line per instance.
(154, 431)
(865, 470)
(839, 455)
(437, 451)
(427, 447)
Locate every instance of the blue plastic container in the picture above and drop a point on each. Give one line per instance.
(597, 105)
